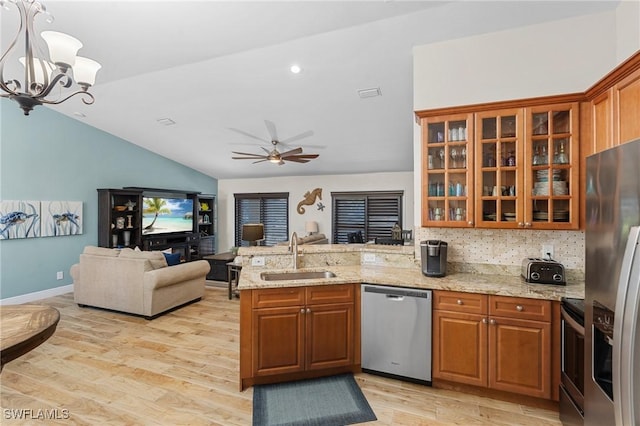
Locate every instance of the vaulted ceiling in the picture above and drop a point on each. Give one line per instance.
(214, 66)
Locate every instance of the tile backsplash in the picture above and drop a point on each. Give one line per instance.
(506, 247)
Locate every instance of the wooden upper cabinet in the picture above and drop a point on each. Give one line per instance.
(499, 161)
(447, 170)
(513, 167)
(551, 167)
(626, 100)
(601, 123)
(615, 107)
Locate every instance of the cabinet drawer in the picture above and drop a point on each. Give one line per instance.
(277, 297)
(321, 294)
(520, 307)
(460, 302)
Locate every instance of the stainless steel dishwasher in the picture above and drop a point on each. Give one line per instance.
(396, 332)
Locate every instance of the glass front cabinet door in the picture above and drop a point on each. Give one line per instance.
(552, 172)
(447, 165)
(499, 164)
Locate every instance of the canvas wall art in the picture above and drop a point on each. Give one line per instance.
(19, 219)
(61, 218)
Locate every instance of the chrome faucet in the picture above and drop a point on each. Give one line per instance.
(293, 248)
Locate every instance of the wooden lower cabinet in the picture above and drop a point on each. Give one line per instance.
(278, 334)
(503, 343)
(291, 333)
(520, 356)
(329, 336)
(460, 347)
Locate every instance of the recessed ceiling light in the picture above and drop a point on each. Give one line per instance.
(295, 69)
(369, 93)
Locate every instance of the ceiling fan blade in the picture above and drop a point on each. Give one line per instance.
(260, 161)
(271, 128)
(305, 156)
(292, 152)
(248, 158)
(296, 159)
(242, 132)
(247, 153)
(298, 137)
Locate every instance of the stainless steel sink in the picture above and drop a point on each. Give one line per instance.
(296, 275)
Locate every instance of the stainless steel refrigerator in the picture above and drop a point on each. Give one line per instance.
(612, 292)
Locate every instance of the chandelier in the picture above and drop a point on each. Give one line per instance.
(62, 70)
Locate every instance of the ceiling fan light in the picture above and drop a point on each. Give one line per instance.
(275, 160)
(84, 71)
(62, 48)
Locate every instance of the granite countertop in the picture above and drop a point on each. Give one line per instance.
(503, 285)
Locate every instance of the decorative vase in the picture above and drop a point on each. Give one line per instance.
(127, 237)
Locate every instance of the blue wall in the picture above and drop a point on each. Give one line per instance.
(48, 156)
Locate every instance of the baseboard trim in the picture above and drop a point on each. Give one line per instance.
(38, 295)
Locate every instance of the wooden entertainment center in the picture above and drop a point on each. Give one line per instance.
(121, 213)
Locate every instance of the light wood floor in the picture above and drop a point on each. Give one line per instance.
(182, 369)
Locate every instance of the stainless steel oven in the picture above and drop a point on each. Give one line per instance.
(572, 362)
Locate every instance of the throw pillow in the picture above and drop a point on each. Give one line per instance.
(172, 259)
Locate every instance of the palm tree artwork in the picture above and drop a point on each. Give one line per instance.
(156, 206)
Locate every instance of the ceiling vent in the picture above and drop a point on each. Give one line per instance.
(369, 93)
(166, 121)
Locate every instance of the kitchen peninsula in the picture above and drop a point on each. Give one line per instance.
(395, 266)
(278, 316)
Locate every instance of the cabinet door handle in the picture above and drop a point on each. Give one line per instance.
(302, 311)
(308, 310)
(492, 321)
(460, 302)
(520, 224)
(484, 320)
(519, 308)
(470, 223)
(527, 224)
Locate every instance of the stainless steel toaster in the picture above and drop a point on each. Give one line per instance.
(543, 271)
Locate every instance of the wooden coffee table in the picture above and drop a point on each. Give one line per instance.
(23, 328)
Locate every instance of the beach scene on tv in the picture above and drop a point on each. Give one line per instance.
(166, 215)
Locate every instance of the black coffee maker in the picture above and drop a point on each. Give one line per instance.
(434, 258)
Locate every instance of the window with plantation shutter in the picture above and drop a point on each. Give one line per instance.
(373, 213)
(270, 209)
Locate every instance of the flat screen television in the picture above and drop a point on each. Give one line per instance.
(166, 215)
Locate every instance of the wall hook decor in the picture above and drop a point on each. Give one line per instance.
(309, 199)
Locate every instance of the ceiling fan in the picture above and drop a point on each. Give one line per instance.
(273, 155)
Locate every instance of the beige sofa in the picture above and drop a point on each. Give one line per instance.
(309, 239)
(136, 282)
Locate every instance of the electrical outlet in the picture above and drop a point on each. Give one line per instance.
(59, 275)
(369, 258)
(547, 251)
(257, 261)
